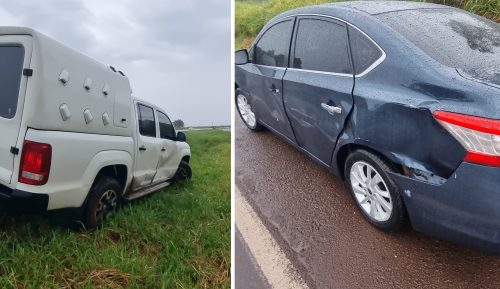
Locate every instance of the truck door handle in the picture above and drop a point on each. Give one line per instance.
(274, 89)
(163, 149)
(142, 148)
(331, 109)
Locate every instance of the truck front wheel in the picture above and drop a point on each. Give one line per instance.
(103, 200)
(184, 171)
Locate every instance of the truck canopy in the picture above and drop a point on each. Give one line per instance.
(46, 85)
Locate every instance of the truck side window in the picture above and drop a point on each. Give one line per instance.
(11, 70)
(167, 130)
(147, 125)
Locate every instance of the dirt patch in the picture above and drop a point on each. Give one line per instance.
(218, 274)
(114, 237)
(97, 278)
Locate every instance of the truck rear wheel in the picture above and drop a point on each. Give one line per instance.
(103, 200)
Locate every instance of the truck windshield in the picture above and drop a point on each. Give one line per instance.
(11, 67)
(453, 37)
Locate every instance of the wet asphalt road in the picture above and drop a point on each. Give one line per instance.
(315, 221)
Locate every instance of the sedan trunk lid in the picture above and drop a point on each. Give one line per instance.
(489, 75)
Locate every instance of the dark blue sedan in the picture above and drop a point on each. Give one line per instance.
(400, 99)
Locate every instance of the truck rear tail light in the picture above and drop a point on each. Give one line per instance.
(35, 163)
(479, 136)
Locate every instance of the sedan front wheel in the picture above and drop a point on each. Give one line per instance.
(246, 112)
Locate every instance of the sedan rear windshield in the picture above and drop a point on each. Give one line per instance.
(453, 37)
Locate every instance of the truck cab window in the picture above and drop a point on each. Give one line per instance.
(147, 125)
(167, 130)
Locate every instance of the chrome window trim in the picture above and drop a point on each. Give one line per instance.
(270, 66)
(321, 72)
(370, 68)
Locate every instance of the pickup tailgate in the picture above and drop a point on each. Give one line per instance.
(15, 54)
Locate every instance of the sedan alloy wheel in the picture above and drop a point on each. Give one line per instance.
(245, 110)
(371, 191)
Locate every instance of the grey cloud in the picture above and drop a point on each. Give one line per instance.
(176, 53)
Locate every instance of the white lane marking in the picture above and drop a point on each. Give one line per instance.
(278, 270)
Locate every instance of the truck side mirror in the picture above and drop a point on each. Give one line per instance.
(241, 57)
(181, 136)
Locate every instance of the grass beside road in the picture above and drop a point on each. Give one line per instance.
(252, 15)
(176, 238)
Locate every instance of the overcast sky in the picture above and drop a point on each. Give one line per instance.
(176, 53)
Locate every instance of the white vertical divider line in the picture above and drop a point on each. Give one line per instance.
(233, 128)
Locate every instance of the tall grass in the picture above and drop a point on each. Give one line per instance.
(252, 15)
(487, 8)
(175, 238)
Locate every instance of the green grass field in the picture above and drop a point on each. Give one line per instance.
(176, 238)
(252, 15)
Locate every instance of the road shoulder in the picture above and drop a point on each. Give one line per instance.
(274, 265)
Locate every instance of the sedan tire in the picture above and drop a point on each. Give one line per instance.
(373, 191)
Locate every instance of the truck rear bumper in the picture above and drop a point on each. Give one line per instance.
(17, 201)
(464, 210)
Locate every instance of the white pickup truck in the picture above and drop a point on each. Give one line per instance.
(72, 138)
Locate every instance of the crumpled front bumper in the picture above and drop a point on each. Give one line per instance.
(465, 209)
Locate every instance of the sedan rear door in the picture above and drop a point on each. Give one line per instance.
(318, 85)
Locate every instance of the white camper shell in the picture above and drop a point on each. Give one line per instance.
(84, 111)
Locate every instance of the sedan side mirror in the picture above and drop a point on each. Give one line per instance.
(181, 136)
(241, 57)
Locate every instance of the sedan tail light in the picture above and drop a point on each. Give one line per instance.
(479, 136)
(35, 163)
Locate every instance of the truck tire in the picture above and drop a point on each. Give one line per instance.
(103, 200)
(183, 172)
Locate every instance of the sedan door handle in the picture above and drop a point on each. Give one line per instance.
(142, 148)
(331, 109)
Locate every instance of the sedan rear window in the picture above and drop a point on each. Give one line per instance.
(321, 46)
(11, 67)
(364, 51)
(453, 37)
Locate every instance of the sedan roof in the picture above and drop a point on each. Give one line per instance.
(356, 11)
(379, 7)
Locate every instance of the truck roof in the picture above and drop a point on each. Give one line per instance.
(39, 36)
